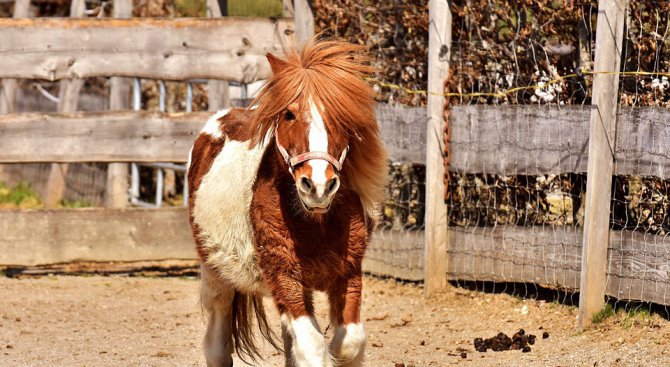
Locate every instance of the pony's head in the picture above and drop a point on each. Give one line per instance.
(320, 110)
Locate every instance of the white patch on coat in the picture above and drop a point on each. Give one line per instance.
(348, 344)
(309, 344)
(221, 210)
(318, 142)
(213, 126)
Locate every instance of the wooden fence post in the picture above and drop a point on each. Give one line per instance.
(68, 96)
(218, 91)
(304, 21)
(439, 44)
(119, 99)
(9, 86)
(609, 36)
(8, 93)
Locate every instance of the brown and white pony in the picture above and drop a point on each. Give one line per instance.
(281, 203)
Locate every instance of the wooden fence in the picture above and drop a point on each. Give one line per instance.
(70, 49)
(601, 147)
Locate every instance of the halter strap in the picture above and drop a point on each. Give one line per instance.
(304, 157)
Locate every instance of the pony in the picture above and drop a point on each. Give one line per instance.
(282, 203)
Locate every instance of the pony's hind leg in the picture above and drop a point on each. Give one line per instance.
(217, 299)
(288, 345)
(348, 343)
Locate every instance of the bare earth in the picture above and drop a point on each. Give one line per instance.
(121, 321)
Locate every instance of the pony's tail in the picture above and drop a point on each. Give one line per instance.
(245, 308)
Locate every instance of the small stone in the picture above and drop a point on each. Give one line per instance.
(399, 365)
(423, 342)
(545, 335)
(525, 349)
(464, 355)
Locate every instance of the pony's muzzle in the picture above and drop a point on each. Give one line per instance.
(317, 195)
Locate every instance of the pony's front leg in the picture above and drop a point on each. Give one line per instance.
(304, 343)
(217, 299)
(348, 343)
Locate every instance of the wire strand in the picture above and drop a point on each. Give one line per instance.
(517, 89)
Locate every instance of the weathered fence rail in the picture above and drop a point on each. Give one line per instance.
(99, 137)
(157, 137)
(36, 237)
(539, 140)
(551, 256)
(172, 49)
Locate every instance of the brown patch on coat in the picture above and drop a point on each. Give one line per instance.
(235, 125)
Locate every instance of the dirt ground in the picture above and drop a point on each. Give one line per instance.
(134, 321)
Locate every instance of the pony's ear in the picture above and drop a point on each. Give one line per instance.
(276, 63)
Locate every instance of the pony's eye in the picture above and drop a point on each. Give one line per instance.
(289, 116)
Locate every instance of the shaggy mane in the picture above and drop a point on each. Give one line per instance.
(333, 74)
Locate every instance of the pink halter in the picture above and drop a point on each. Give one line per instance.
(304, 157)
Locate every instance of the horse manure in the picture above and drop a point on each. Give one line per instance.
(531, 339)
(519, 341)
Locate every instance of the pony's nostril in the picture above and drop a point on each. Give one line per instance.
(332, 185)
(306, 185)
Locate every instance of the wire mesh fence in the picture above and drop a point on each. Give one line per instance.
(638, 264)
(515, 201)
(516, 205)
(519, 142)
(397, 248)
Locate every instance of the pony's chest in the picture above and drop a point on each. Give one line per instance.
(313, 252)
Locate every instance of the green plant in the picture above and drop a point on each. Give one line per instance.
(75, 204)
(634, 316)
(255, 8)
(21, 195)
(603, 314)
(191, 8)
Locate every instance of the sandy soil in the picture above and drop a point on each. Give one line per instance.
(121, 321)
